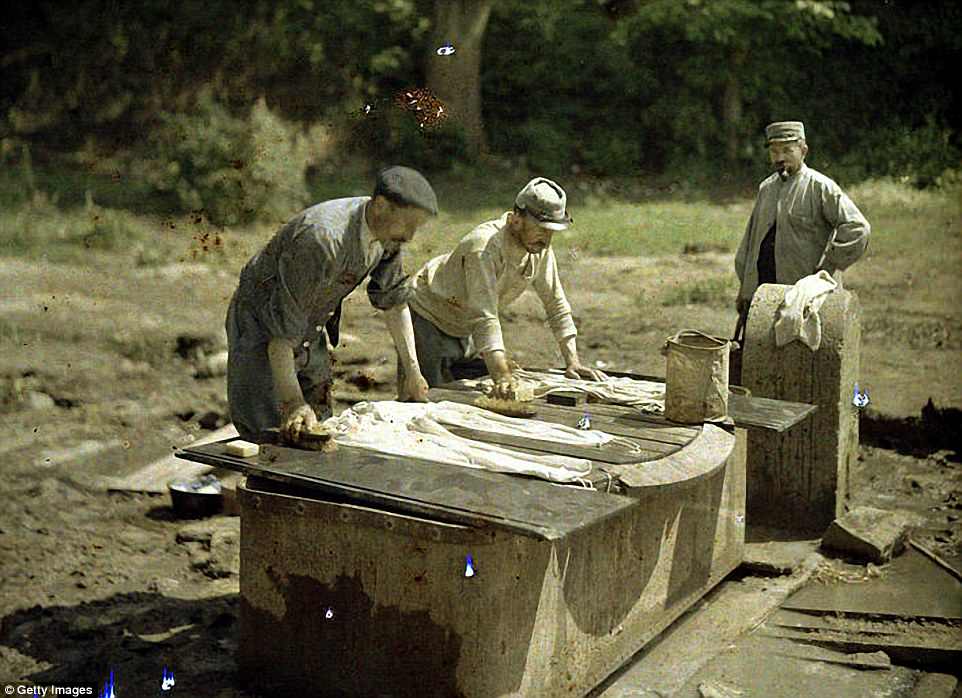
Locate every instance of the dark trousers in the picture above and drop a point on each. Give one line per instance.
(766, 258)
(443, 358)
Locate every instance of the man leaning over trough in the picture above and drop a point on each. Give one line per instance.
(288, 302)
(458, 296)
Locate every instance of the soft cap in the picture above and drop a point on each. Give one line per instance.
(406, 186)
(785, 131)
(547, 202)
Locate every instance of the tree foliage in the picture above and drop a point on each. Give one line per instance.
(610, 86)
(234, 170)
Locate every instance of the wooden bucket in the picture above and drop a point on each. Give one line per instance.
(696, 378)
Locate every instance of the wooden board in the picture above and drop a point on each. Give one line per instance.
(911, 586)
(657, 436)
(765, 413)
(527, 506)
(154, 476)
(750, 412)
(937, 643)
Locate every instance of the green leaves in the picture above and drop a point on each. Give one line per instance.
(236, 170)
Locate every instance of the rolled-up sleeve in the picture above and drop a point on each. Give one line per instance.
(389, 286)
(481, 286)
(852, 230)
(547, 284)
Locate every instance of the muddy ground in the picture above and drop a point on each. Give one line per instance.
(91, 582)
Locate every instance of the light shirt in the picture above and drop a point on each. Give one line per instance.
(806, 210)
(463, 292)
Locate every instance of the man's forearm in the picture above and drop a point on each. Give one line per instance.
(280, 354)
(398, 320)
(497, 363)
(569, 350)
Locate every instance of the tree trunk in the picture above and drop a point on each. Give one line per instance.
(732, 105)
(456, 78)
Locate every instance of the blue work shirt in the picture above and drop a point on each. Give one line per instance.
(292, 289)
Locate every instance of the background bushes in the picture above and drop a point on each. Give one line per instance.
(234, 169)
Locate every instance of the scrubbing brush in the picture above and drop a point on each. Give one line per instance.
(509, 408)
(519, 407)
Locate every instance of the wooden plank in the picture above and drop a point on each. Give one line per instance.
(765, 413)
(154, 476)
(898, 592)
(529, 507)
(919, 644)
(750, 412)
(602, 453)
(659, 438)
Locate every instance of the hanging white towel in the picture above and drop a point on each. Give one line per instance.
(798, 315)
(416, 430)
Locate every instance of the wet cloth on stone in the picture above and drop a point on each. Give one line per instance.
(798, 315)
(647, 396)
(292, 289)
(418, 430)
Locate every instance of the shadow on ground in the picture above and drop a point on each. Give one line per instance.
(935, 429)
(135, 635)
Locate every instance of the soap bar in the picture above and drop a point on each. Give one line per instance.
(243, 449)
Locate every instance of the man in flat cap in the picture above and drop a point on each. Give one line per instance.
(802, 221)
(458, 296)
(288, 303)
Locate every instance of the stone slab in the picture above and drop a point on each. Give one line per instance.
(867, 534)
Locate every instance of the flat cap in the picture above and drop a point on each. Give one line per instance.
(785, 131)
(405, 186)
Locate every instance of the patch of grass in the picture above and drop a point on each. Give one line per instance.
(68, 184)
(55, 216)
(715, 291)
(40, 228)
(910, 221)
(152, 349)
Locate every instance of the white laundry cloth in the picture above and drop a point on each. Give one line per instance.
(416, 430)
(798, 315)
(647, 396)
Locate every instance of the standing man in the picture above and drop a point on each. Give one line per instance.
(802, 221)
(458, 296)
(288, 303)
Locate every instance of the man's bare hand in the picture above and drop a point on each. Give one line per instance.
(505, 389)
(415, 388)
(585, 373)
(296, 419)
